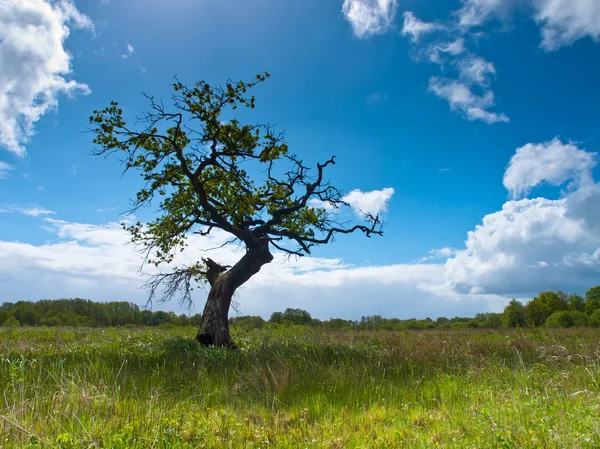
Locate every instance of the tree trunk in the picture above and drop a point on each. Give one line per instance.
(214, 328)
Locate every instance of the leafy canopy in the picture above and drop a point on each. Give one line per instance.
(196, 164)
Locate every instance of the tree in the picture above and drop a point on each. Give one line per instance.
(536, 312)
(514, 314)
(545, 304)
(576, 303)
(296, 316)
(196, 162)
(592, 300)
(276, 318)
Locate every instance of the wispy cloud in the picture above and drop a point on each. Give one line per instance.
(416, 28)
(33, 211)
(467, 77)
(107, 209)
(128, 52)
(5, 170)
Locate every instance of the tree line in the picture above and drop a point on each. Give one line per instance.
(548, 309)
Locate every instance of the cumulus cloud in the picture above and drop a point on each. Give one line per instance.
(34, 64)
(566, 21)
(5, 169)
(551, 162)
(538, 243)
(374, 202)
(415, 28)
(369, 17)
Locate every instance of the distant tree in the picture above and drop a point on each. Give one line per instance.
(493, 321)
(146, 317)
(576, 303)
(196, 320)
(197, 165)
(248, 322)
(536, 313)
(514, 314)
(592, 300)
(183, 320)
(3, 314)
(26, 314)
(159, 318)
(545, 304)
(276, 318)
(296, 316)
(554, 300)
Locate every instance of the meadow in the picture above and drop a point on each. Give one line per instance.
(299, 387)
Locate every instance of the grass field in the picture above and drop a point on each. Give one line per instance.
(299, 388)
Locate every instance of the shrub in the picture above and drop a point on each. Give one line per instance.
(566, 318)
(11, 321)
(594, 320)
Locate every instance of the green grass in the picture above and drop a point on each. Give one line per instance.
(299, 388)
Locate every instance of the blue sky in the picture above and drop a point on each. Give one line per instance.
(480, 115)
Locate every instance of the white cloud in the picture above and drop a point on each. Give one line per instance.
(473, 72)
(528, 246)
(562, 21)
(550, 162)
(476, 70)
(369, 17)
(536, 244)
(415, 28)
(374, 202)
(129, 51)
(566, 21)
(477, 12)
(441, 253)
(94, 261)
(461, 98)
(467, 77)
(452, 48)
(34, 211)
(5, 169)
(34, 64)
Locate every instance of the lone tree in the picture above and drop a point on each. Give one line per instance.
(195, 160)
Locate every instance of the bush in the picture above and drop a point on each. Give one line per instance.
(580, 319)
(566, 318)
(594, 320)
(11, 321)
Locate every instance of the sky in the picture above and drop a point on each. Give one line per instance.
(472, 127)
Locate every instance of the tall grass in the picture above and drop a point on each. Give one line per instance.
(295, 387)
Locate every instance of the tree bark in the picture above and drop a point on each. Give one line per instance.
(214, 328)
